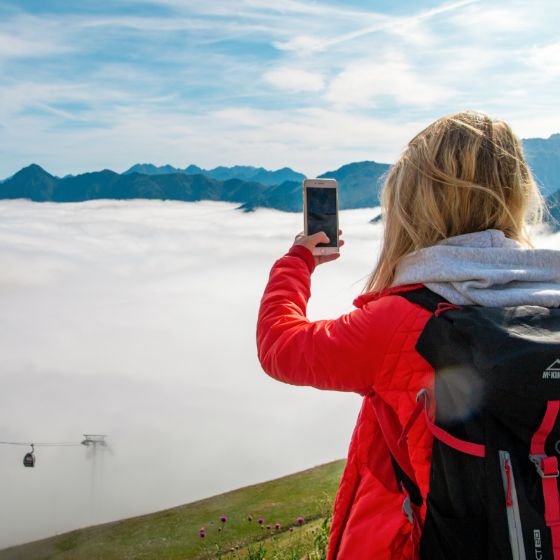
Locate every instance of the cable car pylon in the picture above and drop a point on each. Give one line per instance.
(94, 440)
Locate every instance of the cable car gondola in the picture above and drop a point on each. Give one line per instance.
(29, 459)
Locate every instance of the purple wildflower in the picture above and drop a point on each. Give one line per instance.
(278, 526)
(260, 520)
(269, 526)
(223, 518)
(300, 520)
(202, 532)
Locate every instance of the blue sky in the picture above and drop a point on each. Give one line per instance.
(311, 85)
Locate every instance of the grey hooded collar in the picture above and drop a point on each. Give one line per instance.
(485, 268)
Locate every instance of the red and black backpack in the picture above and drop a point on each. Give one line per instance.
(494, 412)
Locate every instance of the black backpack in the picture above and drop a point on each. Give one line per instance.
(494, 473)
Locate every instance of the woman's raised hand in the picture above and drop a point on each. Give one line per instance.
(310, 241)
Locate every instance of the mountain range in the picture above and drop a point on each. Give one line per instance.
(243, 172)
(357, 182)
(251, 187)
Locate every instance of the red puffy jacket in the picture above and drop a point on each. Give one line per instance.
(368, 351)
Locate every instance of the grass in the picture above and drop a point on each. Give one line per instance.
(174, 533)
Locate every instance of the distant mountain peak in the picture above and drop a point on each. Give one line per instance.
(151, 169)
(193, 169)
(33, 167)
(32, 170)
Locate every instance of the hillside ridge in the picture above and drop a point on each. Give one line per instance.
(174, 533)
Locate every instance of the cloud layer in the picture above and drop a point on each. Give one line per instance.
(138, 320)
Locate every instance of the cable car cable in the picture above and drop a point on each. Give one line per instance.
(43, 444)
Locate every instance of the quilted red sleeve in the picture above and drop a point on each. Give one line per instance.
(340, 354)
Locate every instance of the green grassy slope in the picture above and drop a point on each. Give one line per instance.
(174, 533)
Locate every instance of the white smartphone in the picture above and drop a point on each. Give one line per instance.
(320, 212)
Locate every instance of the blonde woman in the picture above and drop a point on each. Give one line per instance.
(456, 206)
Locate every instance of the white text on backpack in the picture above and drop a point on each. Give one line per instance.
(552, 371)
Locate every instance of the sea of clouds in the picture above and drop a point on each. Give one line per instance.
(137, 320)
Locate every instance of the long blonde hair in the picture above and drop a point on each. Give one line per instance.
(463, 173)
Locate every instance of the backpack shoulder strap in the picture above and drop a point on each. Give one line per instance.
(424, 298)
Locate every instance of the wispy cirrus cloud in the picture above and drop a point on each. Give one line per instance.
(26, 36)
(368, 84)
(85, 77)
(401, 25)
(545, 59)
(294, 79)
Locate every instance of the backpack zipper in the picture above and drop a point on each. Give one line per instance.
(512, 508)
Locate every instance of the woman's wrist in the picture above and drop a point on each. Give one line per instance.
(305, 254)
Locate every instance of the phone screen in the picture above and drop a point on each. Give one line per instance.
(321, 213)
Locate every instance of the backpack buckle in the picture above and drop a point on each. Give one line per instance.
(547, 467)
(407, 509)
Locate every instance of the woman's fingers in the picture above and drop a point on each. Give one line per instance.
(301, 235)
(320, 259)
(319, 237)
(311, 241)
